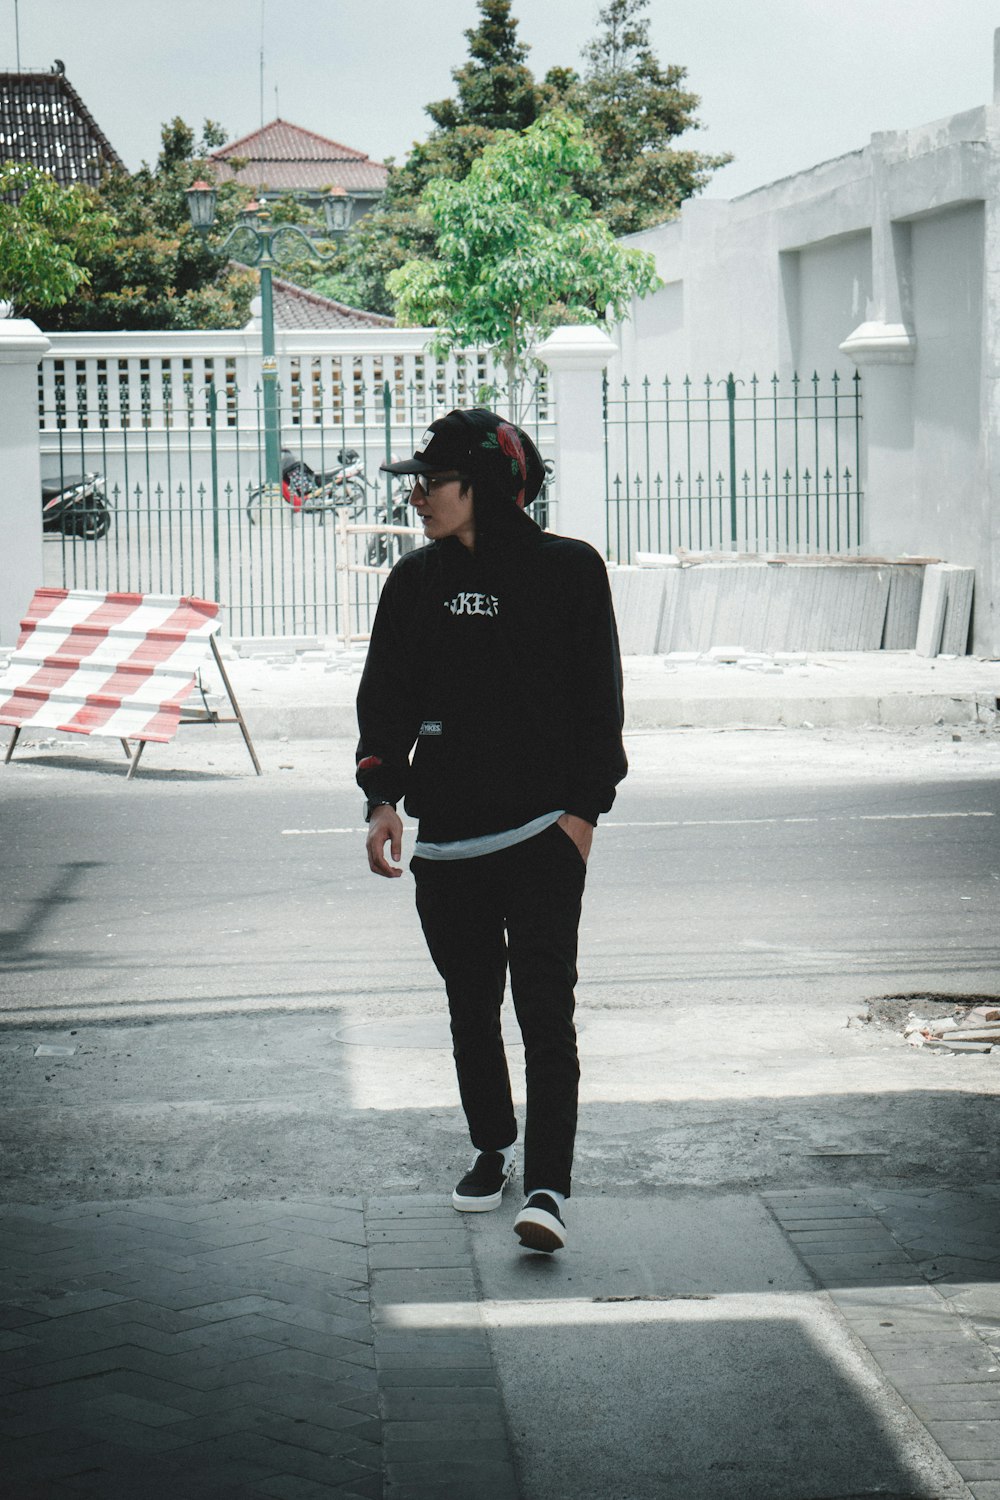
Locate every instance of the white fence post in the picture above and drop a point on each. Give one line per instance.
(22, 345)
(576, 357)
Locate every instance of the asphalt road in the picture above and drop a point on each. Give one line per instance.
(171, 895)
(250, 1008)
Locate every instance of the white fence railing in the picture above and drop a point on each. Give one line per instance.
(153, 381)
(174, 424)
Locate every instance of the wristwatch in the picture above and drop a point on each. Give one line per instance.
(374, 802)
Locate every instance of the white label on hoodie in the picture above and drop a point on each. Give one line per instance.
(473, 604)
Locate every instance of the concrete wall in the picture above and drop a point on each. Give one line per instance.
(947, 259)
(827, 287)
(887, 260)
(748, 290)
(22, 345)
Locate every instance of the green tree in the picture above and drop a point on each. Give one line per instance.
(46, 233)
(518, 250)
(632, 109)
(494, 90)
(156, 272)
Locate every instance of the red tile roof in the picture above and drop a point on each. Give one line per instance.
(284, 156)
(296, 307)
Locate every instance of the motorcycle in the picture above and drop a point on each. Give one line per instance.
(76, 505)
(310, 493)
(384, 547)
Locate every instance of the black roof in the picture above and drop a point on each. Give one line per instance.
(44, 121)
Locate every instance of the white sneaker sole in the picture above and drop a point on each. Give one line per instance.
(481, 1205)
(538, 1230)
(476, 1205)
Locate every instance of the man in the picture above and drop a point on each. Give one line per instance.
(494, 653)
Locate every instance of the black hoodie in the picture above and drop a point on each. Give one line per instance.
(502, 666)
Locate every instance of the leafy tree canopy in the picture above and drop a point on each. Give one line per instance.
(518, 250)
(45, 232)
(154, 271)
(494, 90)
(632, 108)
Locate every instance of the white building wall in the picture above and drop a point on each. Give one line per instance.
(829, 290)
(887, 260)
(947, 263)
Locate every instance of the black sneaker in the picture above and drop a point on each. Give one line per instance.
(482, 1186)
(538, 1225)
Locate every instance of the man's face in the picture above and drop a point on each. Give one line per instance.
(444, 507)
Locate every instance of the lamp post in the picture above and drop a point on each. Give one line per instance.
(256, 242)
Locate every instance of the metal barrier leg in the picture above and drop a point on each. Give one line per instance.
(13, 741)
(236, 707)
(128, 753)
(134, 761)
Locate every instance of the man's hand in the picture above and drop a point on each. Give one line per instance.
(580, 831)
(385, 827)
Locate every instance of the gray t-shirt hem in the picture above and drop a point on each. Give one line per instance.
(487, 843)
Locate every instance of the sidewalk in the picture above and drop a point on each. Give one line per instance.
(704, 1347)
(692, 1343)
(309, 694)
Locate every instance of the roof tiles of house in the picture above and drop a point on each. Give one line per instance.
(44, 121)
(296, 307)
(283, 156)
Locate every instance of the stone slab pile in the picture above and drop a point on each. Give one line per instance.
(692, 602)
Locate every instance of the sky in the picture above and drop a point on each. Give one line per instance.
(783, 83)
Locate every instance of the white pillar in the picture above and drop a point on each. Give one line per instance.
(576, 357)
(885, 353)
(22, 345)
(986, 602)
(885, 347)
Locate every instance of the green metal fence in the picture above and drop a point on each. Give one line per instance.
(733, 465)
(183, 465)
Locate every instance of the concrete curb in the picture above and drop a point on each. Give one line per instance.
(893, 711)
(315, 721)
(308, 693)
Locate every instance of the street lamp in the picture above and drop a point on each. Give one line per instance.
(255, 242)
(337, 211)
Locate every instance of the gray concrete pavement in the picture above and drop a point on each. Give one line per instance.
(311, 693)
(688, 1330)
(703, 1347)
(226, 1224)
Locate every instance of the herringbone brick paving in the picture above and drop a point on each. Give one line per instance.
(170, 1349)
(916, 1274)
(236, 1350)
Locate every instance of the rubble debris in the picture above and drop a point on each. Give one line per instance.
(943, 1023)
(966, 1033)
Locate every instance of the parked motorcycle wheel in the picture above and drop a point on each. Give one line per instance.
(90, 521)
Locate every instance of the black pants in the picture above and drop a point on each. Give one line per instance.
(532, 893)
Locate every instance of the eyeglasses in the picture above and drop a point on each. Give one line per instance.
(431, 482)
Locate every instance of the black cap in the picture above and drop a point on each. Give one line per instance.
(482, 445)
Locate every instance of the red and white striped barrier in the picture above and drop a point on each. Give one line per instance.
(106, 664)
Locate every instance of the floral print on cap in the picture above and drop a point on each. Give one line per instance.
(507, 439)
